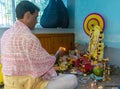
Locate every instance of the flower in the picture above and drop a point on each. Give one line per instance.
(64, 64)
(84, 65)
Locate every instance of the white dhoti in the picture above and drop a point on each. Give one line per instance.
(63, 81)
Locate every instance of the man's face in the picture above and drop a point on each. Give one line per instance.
(32, 20)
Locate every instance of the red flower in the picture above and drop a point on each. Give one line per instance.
(83, 64)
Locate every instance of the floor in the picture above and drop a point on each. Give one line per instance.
(88, 83)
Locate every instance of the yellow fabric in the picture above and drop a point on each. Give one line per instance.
(1, 76)
(24, 82)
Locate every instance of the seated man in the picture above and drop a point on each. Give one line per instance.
(26, 64)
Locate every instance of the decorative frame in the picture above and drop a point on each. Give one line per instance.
(92, 20)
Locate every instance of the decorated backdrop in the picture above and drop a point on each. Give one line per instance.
(110, 12)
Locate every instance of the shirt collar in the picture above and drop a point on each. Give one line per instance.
(21, 24)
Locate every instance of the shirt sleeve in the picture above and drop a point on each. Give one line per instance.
(39, 59)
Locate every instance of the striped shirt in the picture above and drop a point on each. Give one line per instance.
(22, 53)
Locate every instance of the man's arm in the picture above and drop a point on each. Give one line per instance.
(60, 52)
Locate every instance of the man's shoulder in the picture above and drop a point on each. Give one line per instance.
(5, 32)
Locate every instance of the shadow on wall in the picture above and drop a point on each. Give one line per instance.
(113, 54)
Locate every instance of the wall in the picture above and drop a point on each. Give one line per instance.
(110, 11)
(46, 30)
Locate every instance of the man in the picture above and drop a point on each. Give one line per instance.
(26, 65)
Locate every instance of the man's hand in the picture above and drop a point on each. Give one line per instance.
(60, 52)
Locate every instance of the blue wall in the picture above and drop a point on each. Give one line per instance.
(110, 10)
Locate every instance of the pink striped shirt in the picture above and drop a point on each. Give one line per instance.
(22, 53)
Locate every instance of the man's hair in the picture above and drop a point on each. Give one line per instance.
(25, 6)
